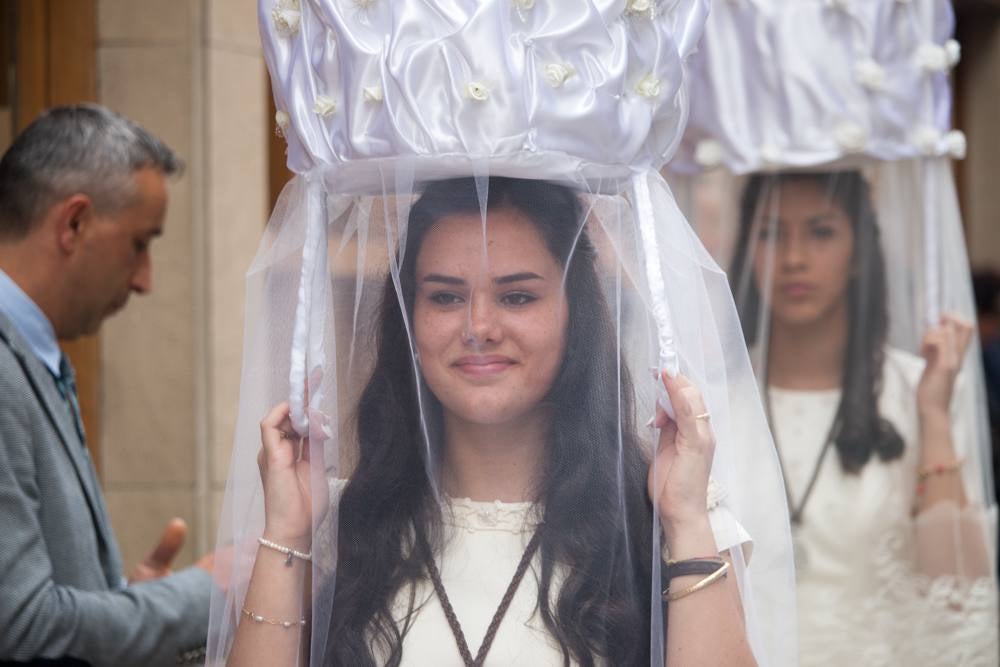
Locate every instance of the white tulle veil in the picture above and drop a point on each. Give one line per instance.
(564, 111)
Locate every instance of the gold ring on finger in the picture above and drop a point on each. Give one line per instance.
(704, 416)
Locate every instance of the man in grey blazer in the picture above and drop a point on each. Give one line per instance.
(82, 195)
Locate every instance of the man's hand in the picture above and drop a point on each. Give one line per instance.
(157, 563)
(219, 564)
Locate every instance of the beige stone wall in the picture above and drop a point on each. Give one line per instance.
(191, 71)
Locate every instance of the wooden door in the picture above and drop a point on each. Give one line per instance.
(50, 47)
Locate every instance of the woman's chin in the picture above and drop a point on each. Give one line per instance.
(798, 315)
(487, 413)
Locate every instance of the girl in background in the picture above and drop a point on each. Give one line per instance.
(890, 547)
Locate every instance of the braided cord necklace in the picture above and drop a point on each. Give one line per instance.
(449, 611)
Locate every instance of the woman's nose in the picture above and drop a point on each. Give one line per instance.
(792, 251)
(482, 321)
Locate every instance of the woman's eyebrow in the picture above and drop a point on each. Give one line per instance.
(517, 277)
(447, 280)
(502, 280)
(820, 218)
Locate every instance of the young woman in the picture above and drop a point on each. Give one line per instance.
(502, 506)
(889, 550)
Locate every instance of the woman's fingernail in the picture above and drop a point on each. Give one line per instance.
(652, 422)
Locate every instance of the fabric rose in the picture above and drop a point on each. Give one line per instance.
(557, 73)
(477, 91)
(324, 106)
(648, 86)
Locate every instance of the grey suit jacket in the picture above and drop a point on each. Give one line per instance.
(61, 587)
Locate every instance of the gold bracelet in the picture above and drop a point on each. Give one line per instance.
(939, 469)
(257, 618)
(694, 588)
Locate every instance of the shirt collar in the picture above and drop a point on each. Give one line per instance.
(30, 322)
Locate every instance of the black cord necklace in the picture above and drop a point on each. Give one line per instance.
(796, 511)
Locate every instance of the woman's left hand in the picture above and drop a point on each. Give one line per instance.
(943, 348)
(678, 478)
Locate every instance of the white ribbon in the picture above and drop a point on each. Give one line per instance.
(668, 358)
(307, 337)
(932, 244)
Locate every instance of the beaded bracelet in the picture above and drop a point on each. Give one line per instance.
(939, 469)
(257, 618)
(289, 552)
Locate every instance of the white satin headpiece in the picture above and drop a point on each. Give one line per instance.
(543, 88)
(780, 83)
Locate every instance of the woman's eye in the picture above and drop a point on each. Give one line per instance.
(140, 246)
(445, 298)
(823, 232)
(517, 299)
(766, 233)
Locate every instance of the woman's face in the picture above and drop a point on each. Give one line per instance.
(489, 317)
(805, 242)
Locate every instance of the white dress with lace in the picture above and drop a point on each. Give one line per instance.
(484, 544)
(861, 600)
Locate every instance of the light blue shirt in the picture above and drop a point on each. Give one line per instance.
(30, 322)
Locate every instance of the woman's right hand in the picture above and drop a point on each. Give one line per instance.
(285, 474)
(943, 349)
(678, 477)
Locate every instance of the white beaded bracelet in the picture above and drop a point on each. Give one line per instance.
(289, 552)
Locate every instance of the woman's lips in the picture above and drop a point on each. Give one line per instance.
(796, 290)
(484, 365)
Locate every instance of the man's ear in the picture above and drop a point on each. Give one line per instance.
(71, 218)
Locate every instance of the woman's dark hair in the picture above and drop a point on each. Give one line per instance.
(861, 430)
(597, 519)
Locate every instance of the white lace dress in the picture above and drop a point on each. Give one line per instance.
(484, 546)
(860, 598)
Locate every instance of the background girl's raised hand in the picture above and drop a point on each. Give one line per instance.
(678, 478)
(284, 471)
(943, 348)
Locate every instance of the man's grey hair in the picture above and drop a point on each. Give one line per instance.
(84, 149)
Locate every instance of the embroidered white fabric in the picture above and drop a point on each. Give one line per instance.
(481, 552)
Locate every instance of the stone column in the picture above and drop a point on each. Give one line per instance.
(192, 72)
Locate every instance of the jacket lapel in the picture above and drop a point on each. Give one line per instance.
(44, 387)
